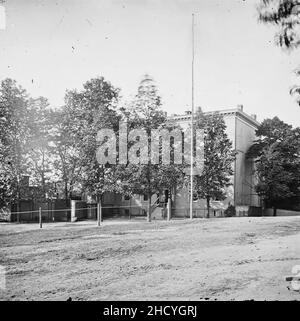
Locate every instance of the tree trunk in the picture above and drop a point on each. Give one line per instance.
(66, 192)
(43, 176)
(18, 210)
(169, 208)
(208, 206)
(274, 211)
(263, 206)
(18, 200)
(43, 186)
(99, 210)
(149, 208)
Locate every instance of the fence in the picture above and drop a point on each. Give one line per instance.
(80, 211)
(28, 211)
(77, 212)
(280, 212)
(60, 215)
(197, 212)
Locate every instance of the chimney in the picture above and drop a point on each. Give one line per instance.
(254, 116)
(240, 107)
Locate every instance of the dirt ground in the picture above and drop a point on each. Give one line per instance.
(203, 259)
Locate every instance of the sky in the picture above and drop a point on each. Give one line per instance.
(49, 46)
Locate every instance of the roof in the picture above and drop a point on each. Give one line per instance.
(226, 112)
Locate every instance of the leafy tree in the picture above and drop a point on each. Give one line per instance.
(87, 112)
(285, 14)
(147, 177)
(14, 134)
(39, 152)
(276, 154)
(218, 159)
(24, 148)
(64, 148)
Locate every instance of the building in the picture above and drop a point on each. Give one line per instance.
(241, 131)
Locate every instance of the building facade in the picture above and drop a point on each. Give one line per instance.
(240, 128)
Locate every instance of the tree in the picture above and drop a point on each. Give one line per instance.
(147, 177)
(218, 159)
(285, 15)
(276, 153)
(5, 184)
(64, 148)
(87, 112)
(39, 152)
(14, 135)
(145, 112)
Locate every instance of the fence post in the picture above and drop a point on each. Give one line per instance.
(73, 211)
(99, 212)
(40, 217)
(169, 209)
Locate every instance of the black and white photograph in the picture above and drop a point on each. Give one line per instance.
(149, 151)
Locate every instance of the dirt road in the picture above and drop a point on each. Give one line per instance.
(204, 259)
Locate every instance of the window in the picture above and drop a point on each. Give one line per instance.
(126, 198)
(145, 197)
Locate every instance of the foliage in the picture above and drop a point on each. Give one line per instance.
(87, 112)
(218, 159)
(276, 154)
(14, 135)
(230, 211)
(285, 14)
(145, 113)
(64, 150)
(40, 166)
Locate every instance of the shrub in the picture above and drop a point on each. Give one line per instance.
(230, 211)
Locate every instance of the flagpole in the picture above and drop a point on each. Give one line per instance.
(192, 125)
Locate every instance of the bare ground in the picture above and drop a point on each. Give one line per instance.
(204, 259)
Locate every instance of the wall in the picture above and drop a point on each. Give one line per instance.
(269, 212)
(78, 210)
(241, 133)
(117, 205)
(244, 168)
(52, 211)
(136, 205)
